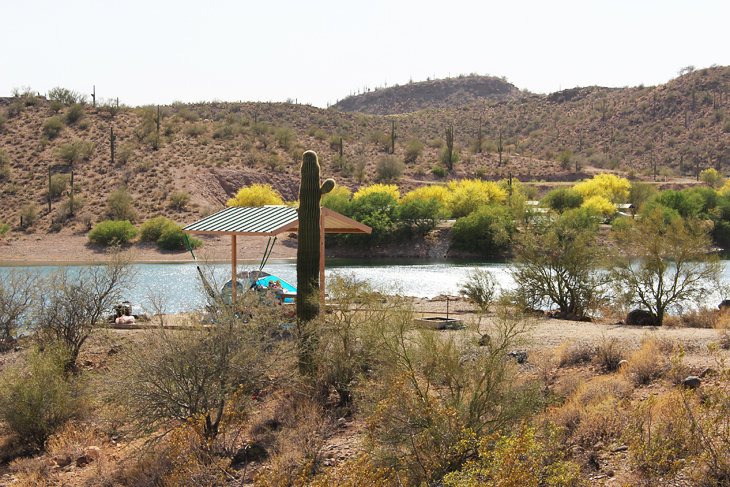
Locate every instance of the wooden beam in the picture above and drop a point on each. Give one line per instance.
(234, 265)
(321, 258)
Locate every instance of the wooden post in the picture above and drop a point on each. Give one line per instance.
(321, 258)
(234, 265)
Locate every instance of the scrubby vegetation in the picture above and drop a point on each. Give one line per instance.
(113, 232)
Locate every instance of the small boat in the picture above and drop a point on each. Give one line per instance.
(260, 281)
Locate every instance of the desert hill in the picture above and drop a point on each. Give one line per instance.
(186, 161)
(438, 93)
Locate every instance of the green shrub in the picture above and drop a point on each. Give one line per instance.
(4, 165)
(76, 151)
(486, 231)
(120, 205)
(173, 238)
(28, 215)
(420, 216)
(195, 129)
(562, 199)
(52, 127)
(438, 171)
(2, 121)
(338, 200)
(389, 168)
(284, 137)
(37, 401)
(4, 228)
(414, 148)
(65, 96)
(377, 210)
(57, 185)
(151, 230)
(113, 232)
(179, 199)
(480, 288)
(74, 113)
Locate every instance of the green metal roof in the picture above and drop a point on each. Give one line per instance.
(243, 220)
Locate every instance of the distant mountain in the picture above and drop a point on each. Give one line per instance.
(439, 93)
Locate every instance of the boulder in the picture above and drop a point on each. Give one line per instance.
(724, 304)
(519, 355)
(91, 454)
(691, 382)
(640, 317)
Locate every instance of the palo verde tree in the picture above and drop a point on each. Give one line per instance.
(308, 254)
(673, 267)
(557, 264)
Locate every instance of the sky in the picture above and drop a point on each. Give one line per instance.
(319, 51)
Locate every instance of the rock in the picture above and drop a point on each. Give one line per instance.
(115, 349)
(252, 452)
(691, 382)
(341, 422)
(63, 461)
(707, 371)
(485, 340)
(640, 317)
(91, 454)
(622, 363)
(724, 304)
(519, 355)
(620, 448)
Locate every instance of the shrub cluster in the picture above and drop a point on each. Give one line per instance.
(113, 232)
(167, 234)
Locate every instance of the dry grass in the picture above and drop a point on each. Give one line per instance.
(648, 363)
(701, 318)
(570, 353)
(609, 354)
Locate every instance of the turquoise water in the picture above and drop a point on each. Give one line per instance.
(178, 286)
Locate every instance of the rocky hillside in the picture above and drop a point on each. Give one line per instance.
(204, 152)
(438, 93)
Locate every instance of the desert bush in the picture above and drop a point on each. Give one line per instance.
(4, 165)
(524, 458)
(674, 267)
(487, 231)
(113, 232)
(179, 199)
(75, 300)
(256, 195)
(338, 199)
(76, 151)
(173, 238)
(438, 171)
(432, 191)
(705, 318)
(660, 435)
(571, 353)
(36, 401)
(419, 216)
(413, 150)
(430, 404)
(52, 127)
(377, 209)
(480, 288)
(359, 471)
(284, 137)
(711, 177)
(562, 199)
(17, 293)
(29, 215)
(381, 140)
(65, 96)
(609, 353)
(195, 129)
(557, 264)
(57, 185)
(599, 205)
(647, 363)
(152, 229)
(74, 113)
(298, 451)
(4, 229)
(3, 119)
(389, 168)
(120, 205)
(191, 375)
(468, 195)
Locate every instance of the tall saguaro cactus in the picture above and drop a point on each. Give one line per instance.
(308, 254)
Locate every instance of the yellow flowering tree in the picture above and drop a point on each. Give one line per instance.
(389, 189)
(599, 205)
(609, 186)
(256, 195)
(467, 195)
(424, 193)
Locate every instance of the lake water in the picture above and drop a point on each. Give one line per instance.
(180, 289)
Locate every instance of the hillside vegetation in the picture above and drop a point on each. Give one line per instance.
(185, 160)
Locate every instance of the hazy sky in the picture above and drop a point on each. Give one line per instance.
(320, 51)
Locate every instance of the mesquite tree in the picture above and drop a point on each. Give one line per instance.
(310, 192)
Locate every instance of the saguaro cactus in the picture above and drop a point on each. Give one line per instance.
(308, 254)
